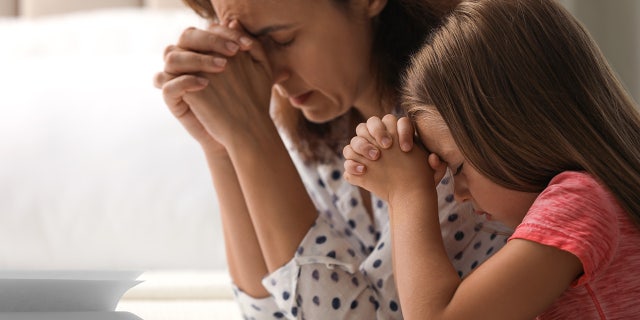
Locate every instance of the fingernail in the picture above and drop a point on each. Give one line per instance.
(203, 81)
(360, 169)
(231, 46)
(246, 41)
(386, 142)
(406, 146)
(221, 62)
(373, 153)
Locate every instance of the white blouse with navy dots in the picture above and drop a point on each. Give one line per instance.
(343, 268)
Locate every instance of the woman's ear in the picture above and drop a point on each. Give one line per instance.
(375, 7)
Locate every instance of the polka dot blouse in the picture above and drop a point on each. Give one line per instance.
(343, 268)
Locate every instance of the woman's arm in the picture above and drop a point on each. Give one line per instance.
(244, 257)
(233, 108)
(277, 201)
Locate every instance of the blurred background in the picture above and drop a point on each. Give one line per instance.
(94, 171)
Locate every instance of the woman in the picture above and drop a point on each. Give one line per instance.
(321, 245)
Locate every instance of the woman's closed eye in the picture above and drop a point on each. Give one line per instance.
(284, 44)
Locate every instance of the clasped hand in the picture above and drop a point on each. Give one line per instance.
(216, 81)
(382, 159)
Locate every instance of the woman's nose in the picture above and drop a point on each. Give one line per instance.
(279, 69)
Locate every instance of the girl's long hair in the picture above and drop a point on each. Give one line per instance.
(527, 94)
(400, 30)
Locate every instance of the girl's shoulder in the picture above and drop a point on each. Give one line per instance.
(572, 186)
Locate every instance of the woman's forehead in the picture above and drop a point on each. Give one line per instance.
(256, 13)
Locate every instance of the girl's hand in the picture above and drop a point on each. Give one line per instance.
(376, 129)
(394, 171)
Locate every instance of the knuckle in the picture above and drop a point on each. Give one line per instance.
(158, 80)
(168, 49)
(186, 34)
(389, 117)
(171, 60)
(346, 151)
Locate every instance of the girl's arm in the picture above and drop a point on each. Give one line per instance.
(519, 281)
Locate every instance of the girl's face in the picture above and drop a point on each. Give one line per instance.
(319, 50)
(488, 198)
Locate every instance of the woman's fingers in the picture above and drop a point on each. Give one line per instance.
(216, 38)
(205, 50)
(175, 89)
(178, 61)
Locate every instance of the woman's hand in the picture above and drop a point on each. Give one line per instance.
(197, 51)
(235, 101)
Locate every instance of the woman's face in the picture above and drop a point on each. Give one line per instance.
(319, 51)
(488, 198)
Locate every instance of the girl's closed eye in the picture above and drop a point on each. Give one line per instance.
(458, 170)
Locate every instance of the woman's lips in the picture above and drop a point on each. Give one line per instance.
(300, 99)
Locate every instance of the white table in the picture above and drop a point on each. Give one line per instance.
(185, 295)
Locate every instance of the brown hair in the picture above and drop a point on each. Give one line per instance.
(400, 30)
(527, 94)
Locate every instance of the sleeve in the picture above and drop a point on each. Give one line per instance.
(256, 309)
(575, 214)
(323, 280)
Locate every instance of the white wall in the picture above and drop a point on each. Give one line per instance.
(615, 25)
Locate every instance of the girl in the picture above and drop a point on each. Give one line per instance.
(518, 102)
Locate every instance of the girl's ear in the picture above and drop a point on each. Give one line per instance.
(375, 7)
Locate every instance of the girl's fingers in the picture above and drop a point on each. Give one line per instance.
(354, 168)
(439, 167)
(405, 134)
(363, 131)
(178, 61)
(364, 148)
(378, 130)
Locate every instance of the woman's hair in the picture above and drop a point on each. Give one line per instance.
(400, 30)
(527, 94)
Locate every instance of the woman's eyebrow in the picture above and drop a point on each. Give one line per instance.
(269, 29)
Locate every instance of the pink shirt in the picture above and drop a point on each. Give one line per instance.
(577, 214)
